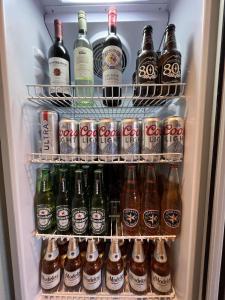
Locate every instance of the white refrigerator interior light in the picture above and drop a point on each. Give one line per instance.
(97, 1)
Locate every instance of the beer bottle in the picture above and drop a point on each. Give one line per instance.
(160, 270)
(45, 205)
(50, 270)
(138, 270)
(79, 206)
(131, 203)
(98, 206)
(114, 269)
(147, 66)
(92, 274)
(171, 205)
(62, 205)
(72, 267)
(150, 215)
(170, 62)
(63, 246)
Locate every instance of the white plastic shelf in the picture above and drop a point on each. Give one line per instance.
(105, 159)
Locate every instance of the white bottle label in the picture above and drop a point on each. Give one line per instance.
(79, 220)
(59, 74)
(98, 221)
(63, 217)
(112, 65)
(161, 283)
(92, 282)
(83, 64)
(138, 283)
(114, 282)
(49, 281)
(72, 278)
(49, 256)
(44, 216)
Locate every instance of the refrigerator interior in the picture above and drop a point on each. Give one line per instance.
(26, 41)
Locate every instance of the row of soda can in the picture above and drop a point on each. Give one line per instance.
(108, 137)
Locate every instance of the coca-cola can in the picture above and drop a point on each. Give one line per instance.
(130, 138)
(173, 137)
(68, 136)
(49, 132)
(108, 138)
(151, 138)
(88, 138)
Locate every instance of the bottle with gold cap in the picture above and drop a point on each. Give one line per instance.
(92, 273)
(114, 269)
(72, 266)
(160, 270)
(50, 270)
(138, 274)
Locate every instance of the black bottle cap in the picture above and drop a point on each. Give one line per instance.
(170, 27)
(147, 28)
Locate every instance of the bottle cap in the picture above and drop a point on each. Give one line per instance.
(73, 249)
(148, 28)
(58, 28)
(81, 14)
(52, 251)
(114, 251)
(138, 252)
(170, 27)
(112, 16)
(92, 251)
(82, 23)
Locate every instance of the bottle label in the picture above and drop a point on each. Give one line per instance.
(63, 217)
(138, 283)
(147, 72)
(92, 256)
(161, 283)
(130, 217)
(151, 218)
(114, 282)
(98, 225)
(73, 254)
(112, 65)
(92, 282)
(44, 216)
(115, 256)
(52, 255)
(171, 69)
(72, 278)
(59, 74)
(83, 64)
(49, 281)
(172, 217)
(79, 220)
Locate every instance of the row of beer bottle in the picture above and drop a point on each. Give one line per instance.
(89, 274)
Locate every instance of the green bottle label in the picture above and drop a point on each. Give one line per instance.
(44, 217)
(63, 217)
(98, 224)
(79, 220)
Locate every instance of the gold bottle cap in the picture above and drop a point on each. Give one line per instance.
(92, 251)
(52, 250)
(138, 252)
(160, 252)
(73, 249)
(114, 251)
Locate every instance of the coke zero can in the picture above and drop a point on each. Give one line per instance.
(151, 138)
(130, 137)
(49, 132)
(68, 136)
(173, 137)
(88, 138)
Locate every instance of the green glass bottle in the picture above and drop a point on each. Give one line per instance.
(79, 206)
(62, 205)
(98, 224)
(45, 205)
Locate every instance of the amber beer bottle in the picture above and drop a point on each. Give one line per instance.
(171, 205)
(92, 273)
(114, 269)
(50, 270)
(160, 270)
(131, 204)
(72, 267)
(170, 62)
(63, 246)
(138, 273)
(150, 215)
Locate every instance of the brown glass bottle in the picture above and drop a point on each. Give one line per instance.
(170, 62)
(114, 269)
(50, 270)
(92, 273)
(138, 273)
(147, 66)
(131, 202)
(63, 246)
(150, 212)
(171, 205)
(72, 267)
(160, 270)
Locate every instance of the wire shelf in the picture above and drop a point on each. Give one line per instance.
(105, 159)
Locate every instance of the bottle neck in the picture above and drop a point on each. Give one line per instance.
(150, 177)
(114, 252)
(170, 41)
(62, 185)
(160, 252)
(58, 32)
(78, 186)
(173, 176)
(45, 186)
(147, 42)
(82, 24)
(92, 252)
(98, 187)
(131, 179)
(112, 21)
(112, 29)
(138, 252)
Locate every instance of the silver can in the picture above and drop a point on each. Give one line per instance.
(88, 138)
(151, 138)
(108, 138)
(49, 132)
(173, 137)
(130, 138)
(68, 136)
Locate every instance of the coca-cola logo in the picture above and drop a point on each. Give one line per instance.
(86, 131)
(106, 132)
(152, 130)
(170, 130)
(128, 130)
(68, 133)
